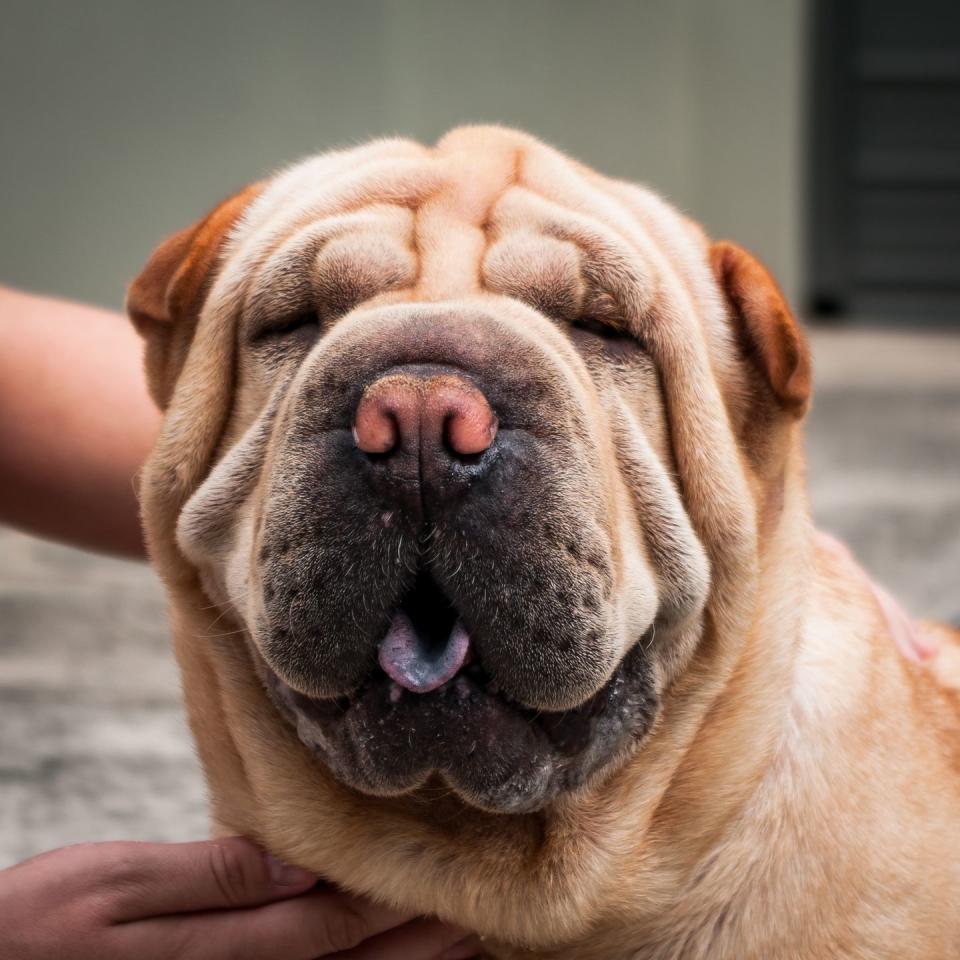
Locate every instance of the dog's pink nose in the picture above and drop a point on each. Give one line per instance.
(407, 412)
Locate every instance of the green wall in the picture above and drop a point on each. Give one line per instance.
(122, 121)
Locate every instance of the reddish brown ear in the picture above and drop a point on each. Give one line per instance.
(771, 335)
(165, 300)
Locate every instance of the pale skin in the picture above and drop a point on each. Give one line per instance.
(76, 423)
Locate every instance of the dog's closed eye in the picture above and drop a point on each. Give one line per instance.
(607, 338)
(299, 328)
(600, 328)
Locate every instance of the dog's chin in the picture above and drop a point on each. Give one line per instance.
(496, 754)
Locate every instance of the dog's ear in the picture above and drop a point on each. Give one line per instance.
(770, 335)
(165, 300)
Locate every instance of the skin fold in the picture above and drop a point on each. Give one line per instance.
(479, 376)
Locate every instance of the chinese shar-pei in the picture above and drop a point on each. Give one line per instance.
(480, 505)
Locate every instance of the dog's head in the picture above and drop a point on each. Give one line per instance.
(462, 440)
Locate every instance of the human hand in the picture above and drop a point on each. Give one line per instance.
(210, 900)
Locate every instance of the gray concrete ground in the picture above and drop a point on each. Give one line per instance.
(92, 739)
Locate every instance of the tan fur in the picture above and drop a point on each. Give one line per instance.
(799, 796)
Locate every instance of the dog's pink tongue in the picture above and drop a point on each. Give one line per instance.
(415, 663)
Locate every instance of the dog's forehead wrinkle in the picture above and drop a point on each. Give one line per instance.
(620, 239)
(455, 221)
(549, 174)
(618, 272)
(345, 245)
(299, 180)
(397, 182)
(307, 237)
(537, 269)
(452, 226)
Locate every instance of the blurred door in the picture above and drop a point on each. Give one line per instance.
(885, 225)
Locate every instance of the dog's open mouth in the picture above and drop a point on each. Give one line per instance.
(426, 643)
(429, 706)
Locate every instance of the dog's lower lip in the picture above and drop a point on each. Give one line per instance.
(495, 753)
(569, 731)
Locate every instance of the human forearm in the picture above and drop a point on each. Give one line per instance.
(76, 422)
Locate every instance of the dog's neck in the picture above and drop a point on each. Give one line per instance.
(801, 754)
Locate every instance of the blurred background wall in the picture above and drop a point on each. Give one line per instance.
(124, 119)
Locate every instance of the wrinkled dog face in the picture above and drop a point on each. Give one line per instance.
(445, 511)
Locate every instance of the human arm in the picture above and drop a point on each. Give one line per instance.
(76, 422)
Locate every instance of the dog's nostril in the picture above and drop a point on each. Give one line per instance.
(375, 429)
(470, 427)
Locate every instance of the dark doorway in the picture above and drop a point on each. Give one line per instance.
(884, 230)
